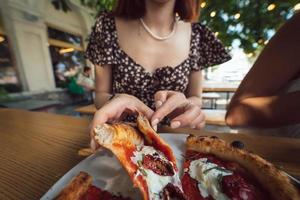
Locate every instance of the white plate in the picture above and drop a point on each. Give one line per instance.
(108, 173)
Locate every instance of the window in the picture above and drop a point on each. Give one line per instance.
(66, 54)
(65, 37)
(8, 74)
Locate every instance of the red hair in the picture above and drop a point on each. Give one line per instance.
(188, 10)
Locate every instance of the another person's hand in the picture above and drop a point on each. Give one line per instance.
(115, 109)
(176, 106)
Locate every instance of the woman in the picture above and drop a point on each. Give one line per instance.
(269, 95)
(148, 60)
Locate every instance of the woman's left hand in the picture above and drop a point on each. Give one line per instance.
(175, 104)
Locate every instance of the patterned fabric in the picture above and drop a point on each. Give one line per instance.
(131, 78)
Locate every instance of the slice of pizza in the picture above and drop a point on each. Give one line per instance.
(81, 188)
(213, 169)
(148, 160)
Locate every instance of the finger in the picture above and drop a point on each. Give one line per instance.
(160, 97)
(168, 106)
(110, 112)
(94, 145)
(145, 110)
(100, 116)
(201, 125)
(123, 115)
(120, 115)
(200, 119)
(155, 127)
(186, 118)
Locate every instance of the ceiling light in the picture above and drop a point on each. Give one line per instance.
(66, 50)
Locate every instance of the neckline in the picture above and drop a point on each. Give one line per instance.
(143, 69)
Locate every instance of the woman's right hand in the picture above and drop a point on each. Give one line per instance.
(115, 109)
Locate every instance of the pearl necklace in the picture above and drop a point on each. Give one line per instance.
(158, 37)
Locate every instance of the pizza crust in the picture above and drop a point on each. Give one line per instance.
(154, 140)
(107, 135)
(77, 188)
(121, 138)
(271, 178)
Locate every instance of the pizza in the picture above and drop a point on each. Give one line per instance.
(148, 159)
(213, 169)
(81, 188)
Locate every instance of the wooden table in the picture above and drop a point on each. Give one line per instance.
(213, 117)
(86, 110)
(219, 87)
(37, 149)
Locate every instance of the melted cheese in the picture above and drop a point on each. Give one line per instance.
(155, 182)
(208, 174)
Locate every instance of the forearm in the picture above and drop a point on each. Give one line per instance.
(271, 111)
(194, 90)
(101, 98)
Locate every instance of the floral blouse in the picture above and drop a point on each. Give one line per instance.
(131, 78)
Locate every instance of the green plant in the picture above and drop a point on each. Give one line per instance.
(3, 94)
(249, 22)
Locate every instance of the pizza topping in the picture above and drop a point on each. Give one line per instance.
(190, 188)
(158, 166)
(95, 193)
(237, 187)
(172, 192)
(156, 170)
(208, 176)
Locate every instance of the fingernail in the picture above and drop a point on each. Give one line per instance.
(158, 104)
(175, 124)
(155, 127)
(93, 145)
(154, 122)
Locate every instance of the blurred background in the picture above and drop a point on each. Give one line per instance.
(42, 45)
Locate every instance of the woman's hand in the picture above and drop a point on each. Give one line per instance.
(182, 111)
(115, 109)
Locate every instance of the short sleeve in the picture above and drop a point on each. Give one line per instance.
(208, 51)
(101, 46)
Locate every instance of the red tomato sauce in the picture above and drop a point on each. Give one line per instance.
(95, 193)
(238, 186)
